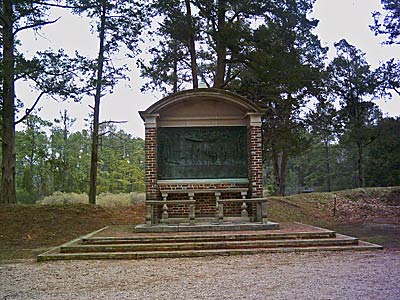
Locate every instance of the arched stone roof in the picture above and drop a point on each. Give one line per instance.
(228, 98)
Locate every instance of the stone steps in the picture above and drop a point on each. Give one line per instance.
(208, 245)
(205, 238)
(197, 253)
(205, 244)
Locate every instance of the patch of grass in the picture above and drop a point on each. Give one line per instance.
(291, 209)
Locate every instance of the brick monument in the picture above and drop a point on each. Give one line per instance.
(203, 159)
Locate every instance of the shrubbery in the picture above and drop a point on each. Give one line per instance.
(105, 199)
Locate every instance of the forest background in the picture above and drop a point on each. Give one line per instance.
(322, 130)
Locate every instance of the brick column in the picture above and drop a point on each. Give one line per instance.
(255, 157)
(151, 158)
(151, 163)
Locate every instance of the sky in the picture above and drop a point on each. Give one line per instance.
(349, 19)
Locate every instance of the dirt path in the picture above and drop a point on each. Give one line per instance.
(345, 275)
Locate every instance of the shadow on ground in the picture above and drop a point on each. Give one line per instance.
(386, 235)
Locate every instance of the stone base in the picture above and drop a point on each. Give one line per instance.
(226, 226)
(120, 242)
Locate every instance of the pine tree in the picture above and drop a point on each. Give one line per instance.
(118, 23)
(44, 70)
(352, 81)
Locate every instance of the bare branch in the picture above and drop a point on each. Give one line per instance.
(228, 80)
(28, 111)
(36, 25)
(103, 133)
(204, 79)
(230, 20)
(112, 122)
(44, 3)
(185, 62)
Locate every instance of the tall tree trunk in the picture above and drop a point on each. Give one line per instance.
(31, 125)
(279, 163)
(283, 172)
(96, 109)
(328, 167)
(360, 175)
(175, 72)
(275, 168)
(191, 45)
(219, 80)
(8, 194)
(65, 182)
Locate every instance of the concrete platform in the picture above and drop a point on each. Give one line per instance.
(226, 226)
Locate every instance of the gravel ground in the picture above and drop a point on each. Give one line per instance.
(344, 275)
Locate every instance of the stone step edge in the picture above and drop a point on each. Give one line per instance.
(344, 240)
(186, 227)
(252, 236)
(365, 246)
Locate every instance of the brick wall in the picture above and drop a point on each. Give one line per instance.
(205, 202)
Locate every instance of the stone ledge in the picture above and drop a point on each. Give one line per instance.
(203, 181)
(186, 227)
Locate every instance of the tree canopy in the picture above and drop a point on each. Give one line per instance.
(321, 126)
(59, 159)
(389, 22)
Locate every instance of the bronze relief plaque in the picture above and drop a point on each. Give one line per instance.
(202, 152)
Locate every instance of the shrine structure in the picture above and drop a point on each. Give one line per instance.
(204, 159)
